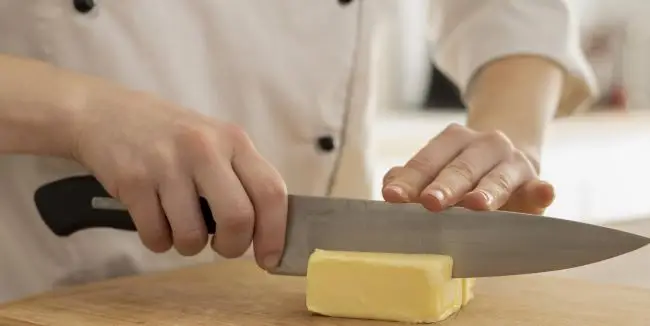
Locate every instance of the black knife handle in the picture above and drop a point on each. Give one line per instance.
(65, 207)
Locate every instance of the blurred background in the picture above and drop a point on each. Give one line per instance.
(597, 160)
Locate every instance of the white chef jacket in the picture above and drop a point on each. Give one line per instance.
(296, 75)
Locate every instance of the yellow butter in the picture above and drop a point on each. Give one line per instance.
(468, 290)
(382, 286)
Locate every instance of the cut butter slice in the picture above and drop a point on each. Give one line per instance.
(382, 286)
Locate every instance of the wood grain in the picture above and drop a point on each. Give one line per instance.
(236, 292)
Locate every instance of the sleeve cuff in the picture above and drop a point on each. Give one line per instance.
(506, 28)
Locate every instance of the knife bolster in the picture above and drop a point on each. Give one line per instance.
(381, 286)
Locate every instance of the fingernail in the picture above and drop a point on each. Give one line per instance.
(488, 197)
(271, 261)
(438, 194)
(398, 190)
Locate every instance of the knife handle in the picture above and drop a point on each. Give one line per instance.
(66, 207)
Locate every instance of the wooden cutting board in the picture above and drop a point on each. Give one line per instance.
(236, 292)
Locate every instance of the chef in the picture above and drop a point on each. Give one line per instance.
(243, 102)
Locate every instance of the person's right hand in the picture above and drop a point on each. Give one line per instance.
(157, 159)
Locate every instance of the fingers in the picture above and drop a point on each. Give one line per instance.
(246, 195)
(181, 204)
(160, 174)
(248, 199)
(231, 208)
(404, 184)
(149, 218)
(465, 171)
(532, 198)
(497, 186)
(482, 171)
(268, 193)
(135, 189)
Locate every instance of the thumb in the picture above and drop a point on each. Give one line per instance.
(532, 198)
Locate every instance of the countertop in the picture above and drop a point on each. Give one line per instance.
(208, 295)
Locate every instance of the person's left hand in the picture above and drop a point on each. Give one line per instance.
(475, 170)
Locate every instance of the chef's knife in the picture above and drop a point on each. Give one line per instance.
(482, 244)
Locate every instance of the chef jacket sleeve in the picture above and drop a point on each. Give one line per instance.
(468, 34)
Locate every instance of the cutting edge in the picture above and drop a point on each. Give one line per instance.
(306, 211)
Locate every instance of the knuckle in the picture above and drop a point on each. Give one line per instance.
(519, 156)
(500, 182)
(132, 177)
(521, 159)
(391, 174)
(157, 243)
(272, 191)
(420, 164)
(231, 251)
(454, 133)
(165, 160)
(190, 241)
(499, 138)
(463, 169)
(187, 234)
(237, 135)
(455, 129)
(240, 220)
(150, 224)
(198, 141)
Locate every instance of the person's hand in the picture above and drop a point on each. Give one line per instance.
(462, 167)
(157, 159)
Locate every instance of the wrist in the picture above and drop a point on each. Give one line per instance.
(91, 104)
(518, 96)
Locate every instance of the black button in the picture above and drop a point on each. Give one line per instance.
(345, 2)
(84, 6)
(326, 143)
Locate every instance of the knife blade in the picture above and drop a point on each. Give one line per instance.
(482, 244)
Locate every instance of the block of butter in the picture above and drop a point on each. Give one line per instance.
(381, 286)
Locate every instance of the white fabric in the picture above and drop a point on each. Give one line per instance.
(287, 71)
(467, 34)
